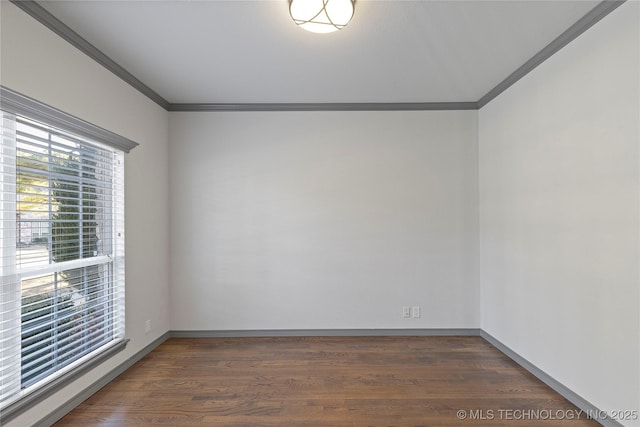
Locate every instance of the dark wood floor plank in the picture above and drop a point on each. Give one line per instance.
(326, 381)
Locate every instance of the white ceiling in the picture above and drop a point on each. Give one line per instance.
(250, 51)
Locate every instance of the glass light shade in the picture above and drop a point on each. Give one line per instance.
(321, 16)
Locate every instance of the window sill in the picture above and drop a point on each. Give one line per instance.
(38, 395)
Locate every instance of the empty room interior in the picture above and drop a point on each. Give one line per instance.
(437, 178)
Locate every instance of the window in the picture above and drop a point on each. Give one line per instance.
(61, 247)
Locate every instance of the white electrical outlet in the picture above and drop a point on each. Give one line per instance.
(406, 311)
(147, 326)
(416, 311)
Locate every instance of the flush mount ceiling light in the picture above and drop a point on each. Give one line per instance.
(321, 16)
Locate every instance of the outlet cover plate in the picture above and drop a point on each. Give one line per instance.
(406, 312)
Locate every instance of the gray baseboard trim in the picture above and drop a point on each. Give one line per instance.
(561, 389)
(257, 333)
(70, 404)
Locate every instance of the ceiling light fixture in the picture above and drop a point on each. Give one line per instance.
(321, 16)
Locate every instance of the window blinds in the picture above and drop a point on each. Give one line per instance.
(61, 252)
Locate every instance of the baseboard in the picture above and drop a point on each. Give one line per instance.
(70, 404)
(257, 333)
(558, 387)
(565, 392)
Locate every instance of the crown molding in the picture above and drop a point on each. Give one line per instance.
(340, 106)
(601, 10)
(39, 13)
(47, 19)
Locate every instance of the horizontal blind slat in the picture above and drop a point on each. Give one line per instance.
(61, 251)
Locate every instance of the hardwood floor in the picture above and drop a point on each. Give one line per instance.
(337, 381)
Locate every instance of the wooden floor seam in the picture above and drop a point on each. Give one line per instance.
(430, 381)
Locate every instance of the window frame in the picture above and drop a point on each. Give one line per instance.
(14, 103)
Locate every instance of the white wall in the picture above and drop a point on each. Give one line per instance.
(559, 214)
(322, 220)
(37, 63)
